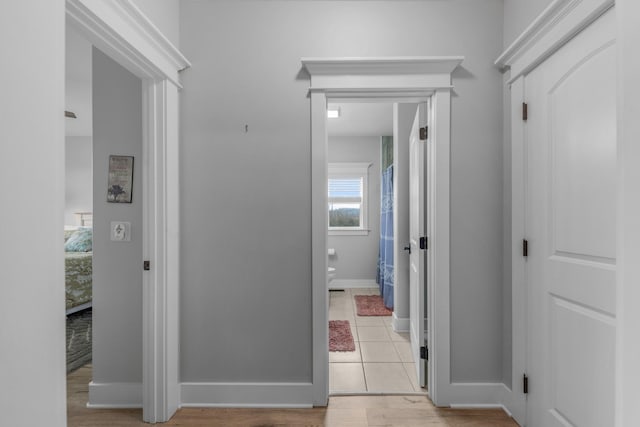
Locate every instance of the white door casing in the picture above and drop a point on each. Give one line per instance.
(417, 231)
(570, 225)
(404, 79)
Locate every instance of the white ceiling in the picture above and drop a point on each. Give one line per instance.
(362, 119)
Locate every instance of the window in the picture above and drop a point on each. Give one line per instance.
(348, 198)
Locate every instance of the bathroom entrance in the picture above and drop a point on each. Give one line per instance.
(397, 80)
(370, 348)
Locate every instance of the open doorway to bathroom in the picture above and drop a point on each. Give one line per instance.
(368, 195)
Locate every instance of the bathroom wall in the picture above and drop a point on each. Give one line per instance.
(357, 256)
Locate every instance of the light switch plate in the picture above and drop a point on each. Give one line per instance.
(120, 231)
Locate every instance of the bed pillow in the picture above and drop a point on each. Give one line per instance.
(80, 241)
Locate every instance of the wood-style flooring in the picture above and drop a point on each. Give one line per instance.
(343, 411)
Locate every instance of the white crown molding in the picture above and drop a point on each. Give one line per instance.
(153, 34)
(120, 29)
(556, 25)
(382, 66)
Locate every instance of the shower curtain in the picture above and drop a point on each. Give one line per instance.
(385, 258)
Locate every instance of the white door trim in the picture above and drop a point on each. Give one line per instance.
(123, 32)
(407, 79)
(553, 28)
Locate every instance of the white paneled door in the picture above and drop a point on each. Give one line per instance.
(418, 241)
(570, 222)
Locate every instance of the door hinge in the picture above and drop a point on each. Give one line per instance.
(424, 132)
(525, 247)
(424, 353)
(146, 266)
(525, 384)
(525, 111)
(424, 242)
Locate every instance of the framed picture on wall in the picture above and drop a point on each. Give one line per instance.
(120, 183)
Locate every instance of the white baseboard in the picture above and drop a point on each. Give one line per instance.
(470, 395)
(400, 324)
(115, 395)
(247, 395)
(352, 283)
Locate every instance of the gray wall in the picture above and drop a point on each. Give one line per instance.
(78, 177)
(32, 358)
(518, 15)
(246, 250)
(404, 114)
(357, 256)
(117, 266)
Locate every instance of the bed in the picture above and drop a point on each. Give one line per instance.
(78, 266)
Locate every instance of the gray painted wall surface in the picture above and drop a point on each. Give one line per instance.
(117, 266)
(246, 251)
(518, 15)
(357, 256)
(32, 335)
(404, 115)
(78, 177)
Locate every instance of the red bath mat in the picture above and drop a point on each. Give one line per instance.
(371, 305)
(340, 338)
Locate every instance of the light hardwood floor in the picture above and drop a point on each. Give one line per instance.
(347, 411)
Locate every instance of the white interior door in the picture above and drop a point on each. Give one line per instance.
(570, 220)
(417, 284)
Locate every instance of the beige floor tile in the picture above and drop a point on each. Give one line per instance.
(398, 336)
(337, 314)
(379, 352)
(346, 356)
(410, 368)
(346, 377)
(373, 333)
(387, 377)
(369, 320)
(404, 351)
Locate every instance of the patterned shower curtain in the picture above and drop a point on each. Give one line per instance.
(385, 258)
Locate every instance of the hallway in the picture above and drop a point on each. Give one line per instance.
(356, 411)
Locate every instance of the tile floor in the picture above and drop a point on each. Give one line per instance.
(382, 361)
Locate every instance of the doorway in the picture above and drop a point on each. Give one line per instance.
(144, 52)
(368, 145)
(394, 80)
